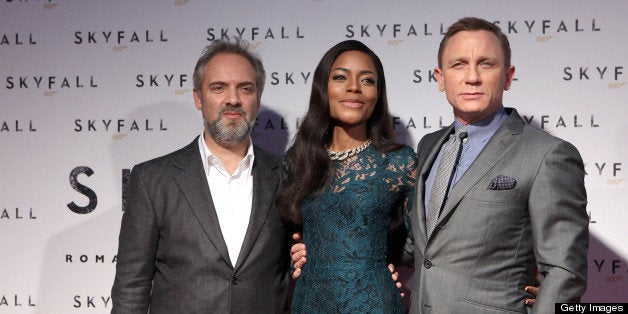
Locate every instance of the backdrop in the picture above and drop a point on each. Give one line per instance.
(89, 88)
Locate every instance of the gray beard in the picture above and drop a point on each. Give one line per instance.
(232, 133)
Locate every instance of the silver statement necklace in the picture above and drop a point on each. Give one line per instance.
(334, 155)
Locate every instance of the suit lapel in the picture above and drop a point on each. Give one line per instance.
(427, 152)
(498, 146)
(193, 184)
(265, 183)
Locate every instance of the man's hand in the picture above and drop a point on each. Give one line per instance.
(297, 255)
(395, 278)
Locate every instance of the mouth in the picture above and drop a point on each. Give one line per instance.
(472, 95)
(232, 112)
(352, 103)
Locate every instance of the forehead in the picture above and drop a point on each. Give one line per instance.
(473, 42)
(229, 67)
(353, 59)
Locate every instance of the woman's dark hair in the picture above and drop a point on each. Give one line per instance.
(308, 165)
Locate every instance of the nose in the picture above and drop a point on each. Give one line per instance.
(353, 86)
(472, 76)
(232, 97)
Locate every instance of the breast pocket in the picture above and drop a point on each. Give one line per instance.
(494, 196)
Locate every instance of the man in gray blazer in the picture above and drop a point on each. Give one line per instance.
(516, 199)
(201, 233)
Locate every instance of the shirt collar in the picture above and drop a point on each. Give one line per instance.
(485, 127)
(209, 158)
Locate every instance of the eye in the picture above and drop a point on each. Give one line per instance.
(368, 80)
(216, 88)
(458, 65)
(248, 89)
(338, 77)
(487, 64)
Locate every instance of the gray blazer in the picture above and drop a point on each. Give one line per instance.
(490, 237)
(172, 256)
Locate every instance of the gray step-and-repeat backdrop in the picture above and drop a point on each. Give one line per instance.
(89, 88)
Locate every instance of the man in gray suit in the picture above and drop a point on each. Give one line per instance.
(516, 199)
(201, 233)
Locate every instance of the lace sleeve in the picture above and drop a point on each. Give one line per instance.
(409, 191)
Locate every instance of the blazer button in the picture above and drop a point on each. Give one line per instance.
(427, 263)
(234, 281)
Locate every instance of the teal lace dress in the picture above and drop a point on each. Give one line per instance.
(345, 231)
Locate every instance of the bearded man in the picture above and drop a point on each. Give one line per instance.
(201, 233)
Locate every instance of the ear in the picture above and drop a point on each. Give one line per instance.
(198, 102)
(259, 100)
(510, 74)
(439, 78)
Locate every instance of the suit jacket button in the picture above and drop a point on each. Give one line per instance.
(427, 263)
(234, 281)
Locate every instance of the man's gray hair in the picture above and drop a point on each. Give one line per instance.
(235, 46)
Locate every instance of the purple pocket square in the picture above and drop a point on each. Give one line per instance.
(502, 182)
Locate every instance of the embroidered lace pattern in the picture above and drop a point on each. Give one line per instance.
(345, 231)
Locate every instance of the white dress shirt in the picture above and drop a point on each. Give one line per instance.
(232, 196)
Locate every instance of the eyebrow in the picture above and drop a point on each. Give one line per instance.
(465, 59)
(225, 83)
(361, 72)
(246, 83)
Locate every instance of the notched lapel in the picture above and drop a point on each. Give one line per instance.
(500, 144)
(265, 183)
(426, 159)
(193, 184)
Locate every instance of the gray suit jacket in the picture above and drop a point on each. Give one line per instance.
(172, 256)
(488, 242)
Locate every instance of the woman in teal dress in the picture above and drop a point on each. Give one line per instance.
(346, 180)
